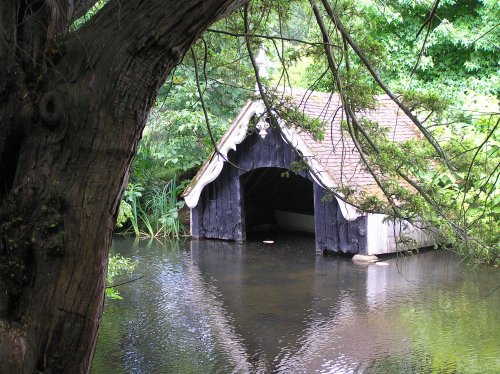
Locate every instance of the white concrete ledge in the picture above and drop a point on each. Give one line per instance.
(361, 259)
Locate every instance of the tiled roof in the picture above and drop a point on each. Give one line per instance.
(337, 153)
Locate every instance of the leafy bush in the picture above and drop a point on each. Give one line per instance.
(124, 214)
(175, 142)
(117, 265)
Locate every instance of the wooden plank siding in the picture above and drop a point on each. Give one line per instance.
(333, 232)
(220, 213)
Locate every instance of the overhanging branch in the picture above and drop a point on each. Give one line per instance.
(270, 37)
(335, 19)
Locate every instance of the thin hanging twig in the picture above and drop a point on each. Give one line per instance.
(202, 101)
(205, 112)
(127, 282)
(427, 23)
(270, 37)
(260, 87)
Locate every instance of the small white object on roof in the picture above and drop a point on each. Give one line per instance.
(262, 126)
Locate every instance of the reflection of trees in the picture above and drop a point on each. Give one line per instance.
(266, 288)
(346, 337)
(209, 307)
(457, 330)
(361, 328)
(107, 358)
(407, 274)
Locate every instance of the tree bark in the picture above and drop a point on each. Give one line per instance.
(72, 110)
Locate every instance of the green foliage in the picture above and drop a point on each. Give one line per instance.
(371, 203)
(459, 51)
(117, 266)
(132, 197)
(161, 214)
(178, 139)
(425, 100)
(463, 203)
(298, 166)
(124, 214)
(155, 211)
(471, 194)
(294, 117)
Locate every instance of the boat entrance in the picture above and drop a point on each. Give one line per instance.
(276, 198)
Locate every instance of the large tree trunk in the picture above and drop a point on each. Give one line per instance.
(72, 109)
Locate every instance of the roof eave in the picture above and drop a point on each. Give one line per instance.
(211, 169)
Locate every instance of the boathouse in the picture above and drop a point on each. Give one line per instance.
(249, 186)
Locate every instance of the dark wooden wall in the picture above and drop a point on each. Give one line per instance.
(333, 231)
(220, 213)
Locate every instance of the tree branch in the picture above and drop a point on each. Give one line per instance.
(200, 95)
(382, 85)
(270, 37)
(80, 7)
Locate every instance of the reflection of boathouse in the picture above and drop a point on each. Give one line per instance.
(248, 185)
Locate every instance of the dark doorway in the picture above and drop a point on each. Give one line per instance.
(275, 199)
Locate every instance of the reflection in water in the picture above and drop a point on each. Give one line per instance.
(213, 306)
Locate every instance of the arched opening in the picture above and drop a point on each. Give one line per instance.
(277, 199)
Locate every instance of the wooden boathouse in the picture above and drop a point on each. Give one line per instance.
(248, 186)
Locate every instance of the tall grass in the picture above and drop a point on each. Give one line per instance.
(164, 208)
(155, 213)
(132, 196)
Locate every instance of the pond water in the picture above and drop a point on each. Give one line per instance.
(218, 307)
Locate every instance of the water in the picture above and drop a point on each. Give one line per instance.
(217, 307)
